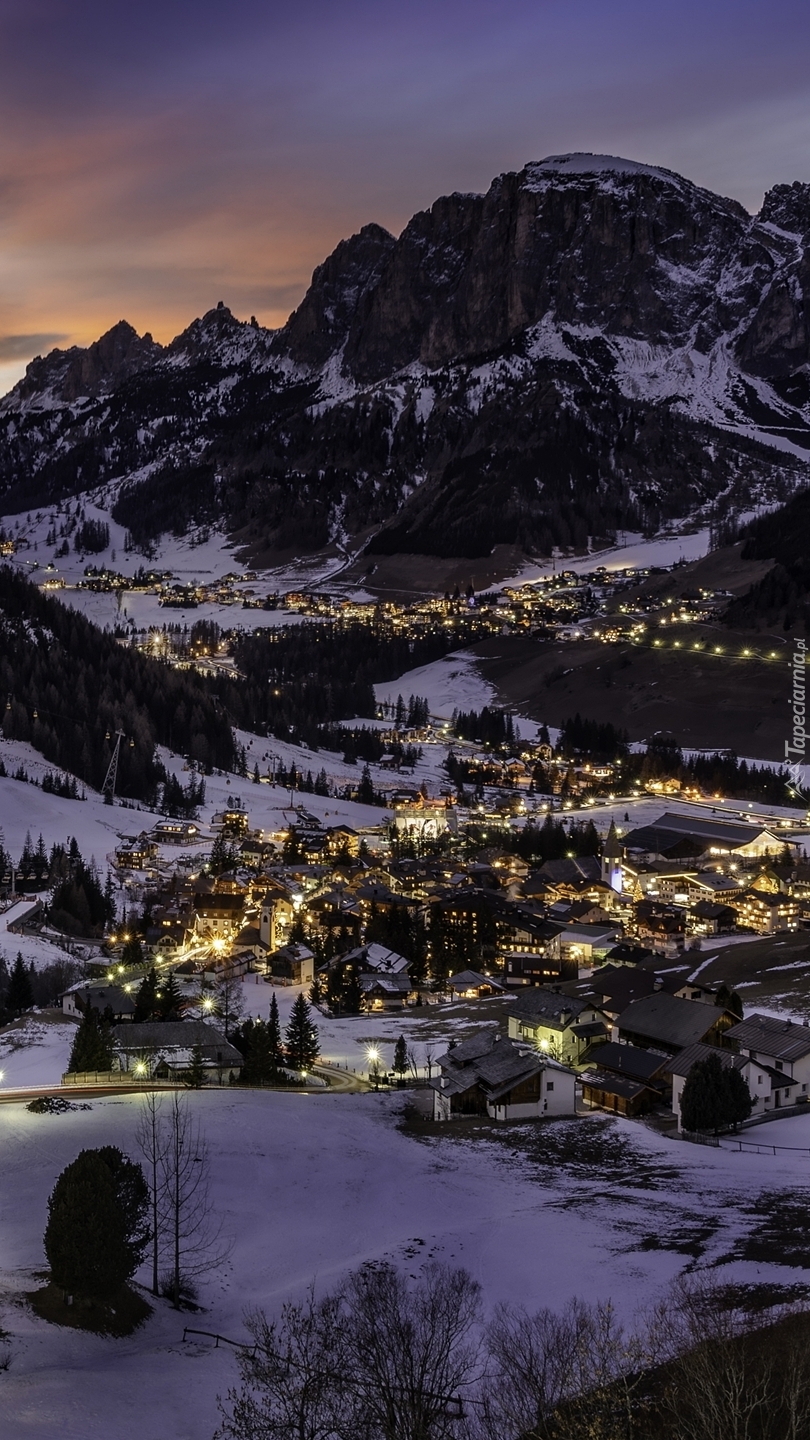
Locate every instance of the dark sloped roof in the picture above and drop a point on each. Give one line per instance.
(160, 1034)
(629, 1060)
(613, 1084)
(469, 979)
(546, 1006)
(764, 1035)
(671, 1022)
(682, 1063)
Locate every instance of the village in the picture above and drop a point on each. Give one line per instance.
(577, 977)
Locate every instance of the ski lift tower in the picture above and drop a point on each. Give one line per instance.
(108, 788)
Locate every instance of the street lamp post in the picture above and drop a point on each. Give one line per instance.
(374, 1067)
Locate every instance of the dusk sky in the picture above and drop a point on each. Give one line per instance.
(160, 156)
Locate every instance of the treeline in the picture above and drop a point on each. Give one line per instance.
(596, 740)
(24, 986)
(64, 786)
(413, 716)
(553, 840)
(718, 774)
(71, 686)
(80, 905)
(490, 726)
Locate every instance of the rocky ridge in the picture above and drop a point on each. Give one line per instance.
(593, 343)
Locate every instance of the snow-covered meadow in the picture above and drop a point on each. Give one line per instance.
(311, 1186)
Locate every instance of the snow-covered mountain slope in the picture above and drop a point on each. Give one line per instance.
(593, 343)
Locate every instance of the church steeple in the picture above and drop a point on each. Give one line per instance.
(612, 859)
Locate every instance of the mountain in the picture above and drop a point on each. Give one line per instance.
(592, 344)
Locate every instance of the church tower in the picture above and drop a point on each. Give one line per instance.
(612, 860)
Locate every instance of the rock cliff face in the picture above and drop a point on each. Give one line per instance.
(594, 343)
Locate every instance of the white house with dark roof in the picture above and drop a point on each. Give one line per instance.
(489, 1074)
(783, 1045)
(562, 1027)
(769, 1088)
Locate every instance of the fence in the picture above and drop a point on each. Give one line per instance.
(695, 1137)
(760, 1147)
(104, 1077)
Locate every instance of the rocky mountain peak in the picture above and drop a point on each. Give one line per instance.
(338, 288)
(68, 375)
(582, 239)
(788, 206)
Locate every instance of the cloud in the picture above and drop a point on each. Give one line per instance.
(24, 347)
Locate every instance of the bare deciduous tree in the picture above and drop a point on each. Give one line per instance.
(379, 1359)
(414, 1348)
(296, 1382)
(151, 1141)
(194, 1233)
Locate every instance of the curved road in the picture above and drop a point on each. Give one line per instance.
(340, 1082)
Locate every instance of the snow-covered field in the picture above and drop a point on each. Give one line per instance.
(310, 1186)
(635, 552)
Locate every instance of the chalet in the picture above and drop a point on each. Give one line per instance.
(469, 985)
(585, 945)
(490, 1074)
(662, 926)
(292, 964)
(342, 839)
(769, 1088)
(782, 1044)
(710, 917)
(234, 819)
(558, 1025)
(112, 1001)
(664, 1023)
(137, 854)
(175, 832)
(375, 959)
(632, 1063)
(386, 992)
(164, 1049)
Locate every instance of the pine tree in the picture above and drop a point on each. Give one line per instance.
(274, 1034)
(19, 995)
(146, 998)
(400, 1065)
(315, 991)
(97, 1227)
(728, 999)
(714, 1096)
(92, 1047)
(260, 1065)
(301, 1036)
(195, 1074)
(132, 953)
(353, 993)
(169, 999)
(365, 790)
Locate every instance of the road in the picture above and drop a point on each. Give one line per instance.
(340, 1082)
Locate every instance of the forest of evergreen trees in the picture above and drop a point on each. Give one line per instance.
(68, 686)
(300, 678)
(492, 727)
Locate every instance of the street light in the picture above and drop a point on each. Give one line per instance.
(374, 1068)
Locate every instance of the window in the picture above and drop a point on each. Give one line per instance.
(779, 1065)
(549, 1085)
